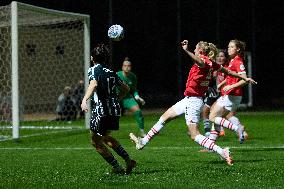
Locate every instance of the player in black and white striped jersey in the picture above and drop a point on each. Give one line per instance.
(213, 94)
(106, 110)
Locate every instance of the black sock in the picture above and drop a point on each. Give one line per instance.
(207, 130)
(122, 153)
(112, 161)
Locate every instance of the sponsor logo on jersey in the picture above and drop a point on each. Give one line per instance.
(242, 67)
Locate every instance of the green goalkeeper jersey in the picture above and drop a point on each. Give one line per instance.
(131, 81)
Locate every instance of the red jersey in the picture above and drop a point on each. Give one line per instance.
(221, 77)
(199, 78)
(236, 65)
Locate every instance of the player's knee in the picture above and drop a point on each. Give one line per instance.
(109, 144)
(212, 117)
(112, 143)
(192, 131)
(96, 146)
(96, 141)
(134, 109)
(99, 149)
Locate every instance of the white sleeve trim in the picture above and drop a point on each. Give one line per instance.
(242, 72)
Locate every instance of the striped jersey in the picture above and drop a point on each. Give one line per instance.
(104, 100)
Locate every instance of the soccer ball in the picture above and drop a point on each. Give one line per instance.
(115, 32)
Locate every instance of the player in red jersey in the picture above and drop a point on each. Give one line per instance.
(200, 76)
(231, 92)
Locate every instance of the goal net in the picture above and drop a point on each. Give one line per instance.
(43, 53)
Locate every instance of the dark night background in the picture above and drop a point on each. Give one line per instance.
(152, 39)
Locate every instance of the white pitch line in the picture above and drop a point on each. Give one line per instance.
(44, 127)
(39, 134)
(152, 148)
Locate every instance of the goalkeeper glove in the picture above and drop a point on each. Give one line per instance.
(141, 100)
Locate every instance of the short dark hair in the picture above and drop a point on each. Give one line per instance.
(100, 53)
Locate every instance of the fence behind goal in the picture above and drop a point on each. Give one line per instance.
(42, 51)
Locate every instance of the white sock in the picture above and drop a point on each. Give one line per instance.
(213, 135)
(207, 143)
(225, 123)
(153, 131)
(234, 120)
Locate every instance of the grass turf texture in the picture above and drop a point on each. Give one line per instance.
(171, 160)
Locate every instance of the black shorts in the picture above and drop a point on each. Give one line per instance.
(209, 101)
(211, 96)
(100, 125)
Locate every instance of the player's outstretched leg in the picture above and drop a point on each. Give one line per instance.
(236, 121)
(213, 136)
(210, 145)
(226, 156)
(137, 141)
(239, 129)
(141, 142)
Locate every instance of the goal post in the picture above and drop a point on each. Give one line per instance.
(41, 52)
(15, 78)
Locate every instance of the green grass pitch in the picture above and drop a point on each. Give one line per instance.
(170, 160)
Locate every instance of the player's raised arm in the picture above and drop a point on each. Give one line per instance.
(240, 76)
(196, 59)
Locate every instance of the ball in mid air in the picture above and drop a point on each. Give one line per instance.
(115, 32)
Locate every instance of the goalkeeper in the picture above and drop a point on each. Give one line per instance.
(132, 100)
